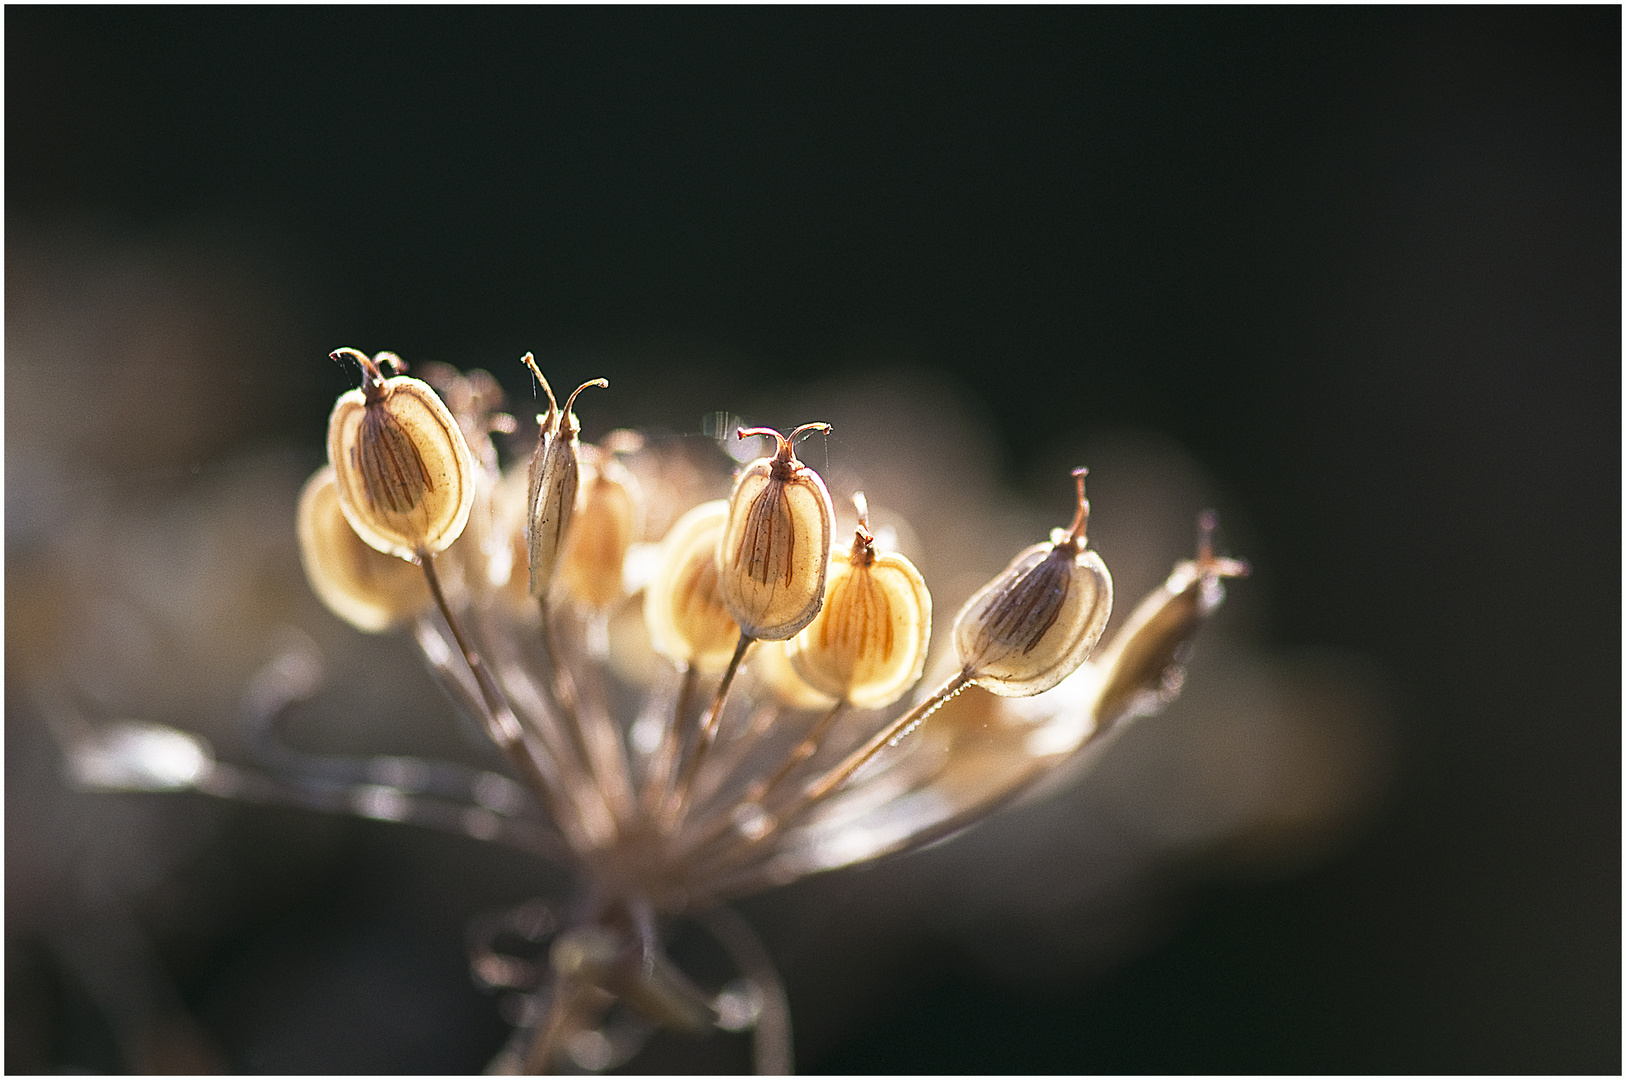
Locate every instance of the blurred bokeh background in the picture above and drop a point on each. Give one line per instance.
(1352, 275)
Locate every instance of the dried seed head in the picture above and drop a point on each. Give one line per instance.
(1143, 665)
(366, 588)
(553, 481)
(609, 517)
(1032, 626)
(405, 473)
(683, 608)
(867, 645)
(775, 548)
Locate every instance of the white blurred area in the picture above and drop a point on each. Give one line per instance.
(151, 570)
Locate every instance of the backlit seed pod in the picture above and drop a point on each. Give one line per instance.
(508, 571)
(1143, 665)
(554, 478)
(465, 566)
(775, 549)
(772, 665)
(405, 474)
(683, 608)
(867, 645)
(363, 586)
(609, 517)
(1032, 626)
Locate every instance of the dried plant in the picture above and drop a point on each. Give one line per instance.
(699, 683)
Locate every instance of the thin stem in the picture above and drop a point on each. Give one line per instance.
(658, 777)
(890, 734)
(802, 751)
(770, 1038)
(561, 1005)
(583, 807)
(839, 775)
(708, 733)
(606, 752)
(759, 791)
(233, 782)
(563, 699)
(543, 717)
(726, 761)
(501, 725)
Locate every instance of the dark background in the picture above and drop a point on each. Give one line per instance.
(1363, 264)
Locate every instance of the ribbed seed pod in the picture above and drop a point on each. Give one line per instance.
(363, 586)
(554, 477)
(1143, 665)
(405, 474)
(1032, 626)
(775, 549)
(609, 517)
(683, 608)
(867, 645)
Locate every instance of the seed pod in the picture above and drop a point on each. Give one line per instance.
(363, 586)
(465, 567)
(775, 549)
(772, 665)
(1032, 626)
(553, 480)
(507, 570)
(1143, 664)
(405, 474)
(683, 608)
(609, 517)
(867, 645)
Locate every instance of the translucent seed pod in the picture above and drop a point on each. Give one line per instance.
(775, 549)
(683, 608)
(405, 474)
(363, 586)
(867, 645)
(1034, 624)
(508, 570)
(771, 663)
(609, 518)
(1142, 667)
(554, 477)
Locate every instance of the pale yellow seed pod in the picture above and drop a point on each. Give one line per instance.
(554, 477)
(1034, 624)
(867, 645)
(508, 570)
(1143, 664)
(683, 608)
(404, 471)
(775, 549)
(363, 586)
(609, 517)
(772, 665)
